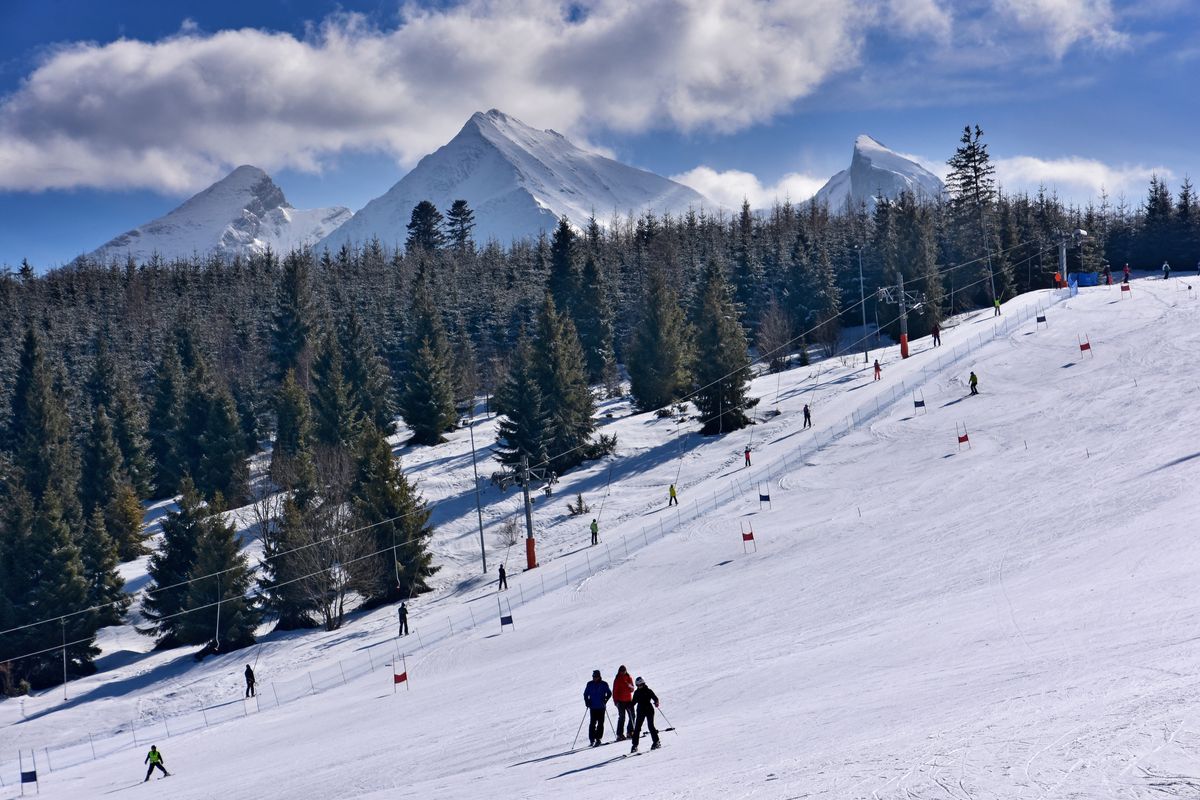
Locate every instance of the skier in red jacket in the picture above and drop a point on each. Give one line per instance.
(623, 697)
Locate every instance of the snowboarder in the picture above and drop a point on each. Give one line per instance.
(974, 381)
(595, 532)
(996, 305)
(503, 580)
(878, 370)
(249, 681)
(623, 698)
(596, 696)
(403, 612)
(807, 416)
(747, 455)
(155, 759)
(645, 701)
(673, 499)
(1125, 271)
(1166, 271)
(936, 333)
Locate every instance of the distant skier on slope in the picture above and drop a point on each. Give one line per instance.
(645, 701)
(623, 698)
(595, 532)
(503, 580)
(1125, 272)
(974, 381)
(403, 612)
(596, 696)
(878, 370)
(996, 305)
(747, 455)
(155, 759)
(249, 681)
(807, 416)
(1166, 268)
(1107, 275)
(936, 333)
(672, 498)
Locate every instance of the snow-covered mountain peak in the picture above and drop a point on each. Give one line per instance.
(518, 180)
(875, 171)
(243, 213)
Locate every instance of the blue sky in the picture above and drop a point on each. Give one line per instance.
(112, 113)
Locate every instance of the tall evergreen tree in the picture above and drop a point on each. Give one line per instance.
(167, 423)
(595, 323)
(215, 606)
(562, 376)
(171, 565)
(563, 284)
(524, 428)
(460, 222)
(747, 266)
(367, 378)
(102, 473)
(293, 321)
(98, 556)
(336, 418)
(223, 469)
(659, 360)
(722, 372)
(293, 429)
(425, 228)
(385, 501)
(971, 184)
(427, 391)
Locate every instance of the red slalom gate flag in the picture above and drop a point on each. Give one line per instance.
(748, 536)
(963, 439)
(401, 677)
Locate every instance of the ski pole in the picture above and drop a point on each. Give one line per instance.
(575, 741)
(664, 716)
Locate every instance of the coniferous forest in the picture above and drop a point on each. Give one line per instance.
(125, 382)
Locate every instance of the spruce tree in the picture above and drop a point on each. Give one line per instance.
(102, 474)
(594, 321)
(524, 428)
(367, 378)
(563, 380)
(971, 184)
(336, 417)
(129, 431)
(280, 571)
(166, 424)
(106, 588)
(292, 323)
(460, 222)
(425, 228)
(563, 283)
(659, 358)
(171, 565)
(747, 266)
(722, 373)
(123, 522)
(215, 605)
(223, 469)
(383, 500)
(427, 392)
(293, 429)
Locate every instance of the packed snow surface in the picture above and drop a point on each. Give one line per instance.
(244, 213)
(875, 171)
(1010, 618)
(519, 181)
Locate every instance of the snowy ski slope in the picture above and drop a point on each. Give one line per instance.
(1012, 619)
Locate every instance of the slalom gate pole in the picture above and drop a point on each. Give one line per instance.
(575, 741)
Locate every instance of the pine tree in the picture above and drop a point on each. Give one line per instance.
(563, 380)
(524, 428)
(427, 392)
(397, 516)
(563, 284)
(460, 222)
(367, 378)
(747, 266)
(166, 424)
(171, 565)
(106, 588)
(215, 605)
(223, 469)
(292, 323)
(335, 416)
(722, 372)
(595, 323)
(425, 228)
(129, 431)
(103, 472)
(659, 360)
(280, 571)
(123, 522)
(971, 184)
(293, 429)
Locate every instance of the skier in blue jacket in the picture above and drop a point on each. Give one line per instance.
(596, 696)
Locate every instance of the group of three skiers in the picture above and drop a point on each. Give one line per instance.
(635, 704)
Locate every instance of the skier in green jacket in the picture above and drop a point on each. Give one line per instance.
(974, 381)
(154, 759)
(595, 532)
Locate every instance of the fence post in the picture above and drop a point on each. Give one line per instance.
(276, 694)
(310, 683)
(93, 746)
(521, 587)
(343, 671)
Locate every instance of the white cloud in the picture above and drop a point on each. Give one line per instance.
(730, 187)
(1066, 22)
(1076, 179)
(174, 114)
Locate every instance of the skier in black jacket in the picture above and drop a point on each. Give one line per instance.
(645, 701)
